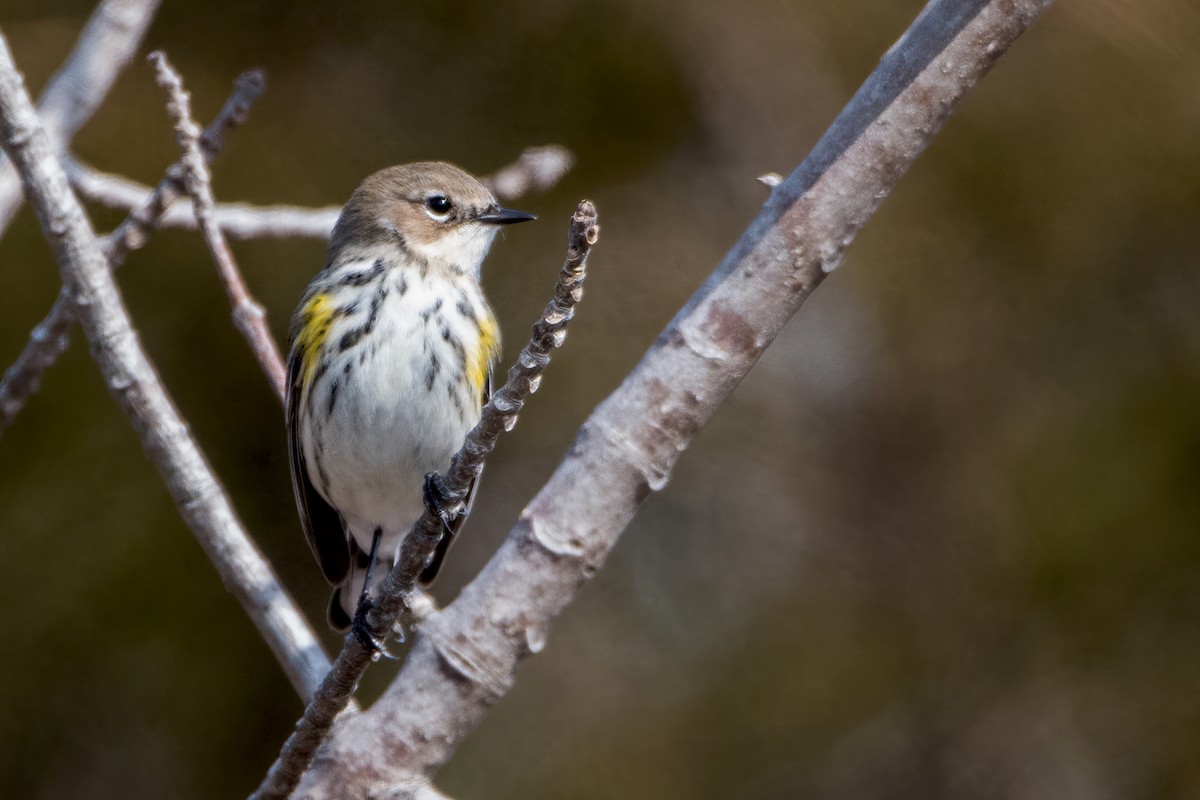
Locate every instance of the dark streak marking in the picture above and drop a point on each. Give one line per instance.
(333, 395)
(455, 397)
(351, 338)
(361, 277)
(433, 309)
(435, 366)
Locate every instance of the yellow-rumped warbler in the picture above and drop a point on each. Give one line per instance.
(391, 352)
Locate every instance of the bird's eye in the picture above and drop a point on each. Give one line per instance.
(439, 206)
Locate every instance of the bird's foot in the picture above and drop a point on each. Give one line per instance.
(375, 645)
(438, 501)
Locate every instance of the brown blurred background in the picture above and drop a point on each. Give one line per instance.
(944, 541)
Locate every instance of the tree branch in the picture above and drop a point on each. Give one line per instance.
(248, 315)
(136, 386)
(536, 169)
(396, 590)
(105, 47)
(465, 657)
(237, 220)
(51, 336)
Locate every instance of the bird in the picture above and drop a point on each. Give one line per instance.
(391, 351)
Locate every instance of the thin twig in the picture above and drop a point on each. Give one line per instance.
(498, 415)
(248, 315)
(134, 383)
(51, 336)
(236, 220)
(105, 47)
(465, 657)
(536, 169)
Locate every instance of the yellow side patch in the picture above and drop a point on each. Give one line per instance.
(317, 319)
(488, 351)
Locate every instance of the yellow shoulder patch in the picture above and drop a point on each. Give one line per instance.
(315, 321)
(487, 352)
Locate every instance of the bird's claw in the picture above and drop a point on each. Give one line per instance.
(375, 645)
(437, 498)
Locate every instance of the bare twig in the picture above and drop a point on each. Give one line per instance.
(248, 315)
(536, 169)
(237, 220)
(465, 657)
(105, 47)
(50, 338)
(135, 385)
(499, 415)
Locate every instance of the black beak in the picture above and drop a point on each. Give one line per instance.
(504, 216)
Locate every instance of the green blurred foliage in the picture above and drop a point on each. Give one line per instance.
(943, 542)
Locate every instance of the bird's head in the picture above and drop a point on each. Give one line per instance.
(433, 210)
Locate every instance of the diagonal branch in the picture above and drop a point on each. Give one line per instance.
(498, 416)
(50, 338)
(465, 657)
(536, 169)
(248, 315)
(105, 47)
(135, 385)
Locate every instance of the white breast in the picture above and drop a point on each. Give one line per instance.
(395, 403)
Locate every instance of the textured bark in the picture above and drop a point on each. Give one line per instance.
(50, 337)
(135, 385)
(465, 657)
(106, 46)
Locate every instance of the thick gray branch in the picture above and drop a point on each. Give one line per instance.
(465, 657)
(108, 42)
(136, 386)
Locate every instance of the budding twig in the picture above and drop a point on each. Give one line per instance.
(50, 337)
(498, 416)
(248, 315)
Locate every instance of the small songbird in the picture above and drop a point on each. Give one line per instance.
(392, 348)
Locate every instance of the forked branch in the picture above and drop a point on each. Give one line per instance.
(248, 315)
(51, 336)
(135, 384)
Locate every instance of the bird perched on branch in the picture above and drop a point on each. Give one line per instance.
(392, 348)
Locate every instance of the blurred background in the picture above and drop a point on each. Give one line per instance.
(944, 541)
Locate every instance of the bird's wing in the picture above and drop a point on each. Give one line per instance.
(321, 523)
(430, 573)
